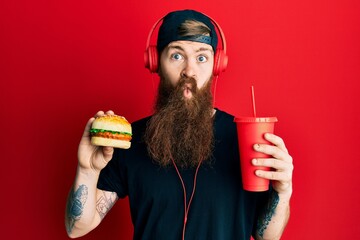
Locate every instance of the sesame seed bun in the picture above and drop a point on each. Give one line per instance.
(111, 131)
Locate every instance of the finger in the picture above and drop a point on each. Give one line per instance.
(99, 114)
(276, 140)
(110, 112)
(274, 151)
(272, 175)
(88, 127)
(271, 162)
(89, 123)
(108, 153)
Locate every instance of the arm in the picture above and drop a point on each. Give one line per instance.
(274, 219)
(87, 205)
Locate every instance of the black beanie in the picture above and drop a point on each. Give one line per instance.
(168, 31)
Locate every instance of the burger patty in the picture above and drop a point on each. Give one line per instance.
(110, 134)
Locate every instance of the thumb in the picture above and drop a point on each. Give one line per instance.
(86, 134)
(108, 153)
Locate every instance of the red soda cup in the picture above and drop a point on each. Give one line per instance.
(250, 131)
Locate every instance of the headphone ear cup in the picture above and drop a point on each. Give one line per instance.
(151, 59)
(220, 62)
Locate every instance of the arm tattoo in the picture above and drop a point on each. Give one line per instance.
(105, 202)
(269, 212)
(75, 207)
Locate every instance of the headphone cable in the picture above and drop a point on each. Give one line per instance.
(186, 206)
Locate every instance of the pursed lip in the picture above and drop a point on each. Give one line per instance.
(187, 90)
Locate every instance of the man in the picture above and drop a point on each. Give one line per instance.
(181, 173)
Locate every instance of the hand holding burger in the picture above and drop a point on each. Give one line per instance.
(112, 131)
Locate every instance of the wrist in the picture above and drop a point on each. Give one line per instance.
(285, 195)
(88, 173)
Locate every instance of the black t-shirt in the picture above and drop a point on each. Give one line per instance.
(220, 209)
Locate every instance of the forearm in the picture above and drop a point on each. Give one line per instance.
(272, 223)
(80, 216)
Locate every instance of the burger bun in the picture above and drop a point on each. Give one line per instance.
(108, 142)
(112, 123)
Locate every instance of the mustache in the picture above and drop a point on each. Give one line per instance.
(186, 83)
(187, 80)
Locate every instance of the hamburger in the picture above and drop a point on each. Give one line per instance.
(111, 131)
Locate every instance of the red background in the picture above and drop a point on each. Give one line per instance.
(62, 61)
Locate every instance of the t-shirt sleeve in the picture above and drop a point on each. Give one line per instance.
(112, 177)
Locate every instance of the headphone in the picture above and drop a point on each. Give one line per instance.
(151, 57)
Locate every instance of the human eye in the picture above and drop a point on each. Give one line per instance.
(176, 56)
(202, 58)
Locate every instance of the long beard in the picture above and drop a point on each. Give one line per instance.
(181, 129)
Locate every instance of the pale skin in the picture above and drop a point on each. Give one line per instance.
(91, 160)
(88, 205)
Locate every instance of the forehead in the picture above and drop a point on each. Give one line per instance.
(189, 46)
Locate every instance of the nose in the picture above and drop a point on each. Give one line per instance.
(189, 69)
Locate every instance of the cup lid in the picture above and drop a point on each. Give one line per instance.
(255, 119)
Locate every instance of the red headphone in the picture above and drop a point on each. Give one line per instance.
(152, 60)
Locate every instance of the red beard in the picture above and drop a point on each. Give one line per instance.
(181, 129)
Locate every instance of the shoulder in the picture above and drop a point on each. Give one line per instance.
(139, 126)
(224, 125)
(140, 122)
(223, 120)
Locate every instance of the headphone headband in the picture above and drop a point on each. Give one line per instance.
(220, 59)
(222, 36)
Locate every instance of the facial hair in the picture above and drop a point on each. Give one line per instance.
(181, 129)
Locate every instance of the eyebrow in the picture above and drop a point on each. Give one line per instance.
(182, 49)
